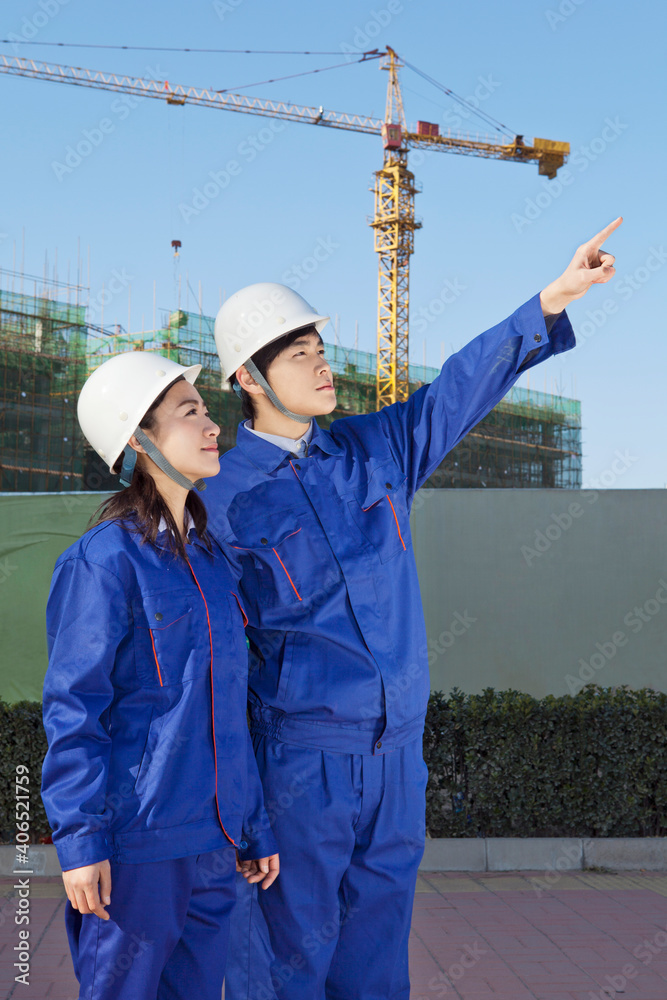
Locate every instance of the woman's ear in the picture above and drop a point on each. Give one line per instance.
(135, 444)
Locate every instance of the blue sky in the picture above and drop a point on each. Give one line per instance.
(584, 71)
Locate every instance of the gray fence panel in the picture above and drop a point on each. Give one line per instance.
(543, 590)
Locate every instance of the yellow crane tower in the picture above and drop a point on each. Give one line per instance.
(394, 221)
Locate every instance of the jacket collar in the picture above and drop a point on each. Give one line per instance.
(296, 446)
(162, 540)
(187, 518)
(267, 456)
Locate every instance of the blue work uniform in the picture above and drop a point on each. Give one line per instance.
(339, 678)
(150, 763)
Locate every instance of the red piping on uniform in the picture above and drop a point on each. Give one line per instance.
(397, 524)
(244, 549)
(245, 617)
(215, 752)
(288, 576)
(156, 659)
(150, 632)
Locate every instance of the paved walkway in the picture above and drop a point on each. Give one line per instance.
(489, 936)
(517, 937)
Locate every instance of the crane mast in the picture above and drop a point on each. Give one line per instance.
(394, 224)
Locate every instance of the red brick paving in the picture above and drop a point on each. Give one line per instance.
(567, 942)
(474, 937)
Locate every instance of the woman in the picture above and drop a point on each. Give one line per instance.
(150, 782)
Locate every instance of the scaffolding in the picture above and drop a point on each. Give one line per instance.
(186, 338)
(43, 343)
(531, 439)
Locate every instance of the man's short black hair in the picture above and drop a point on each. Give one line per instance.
(264, 359)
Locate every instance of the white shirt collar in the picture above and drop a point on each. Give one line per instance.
(284, 443)
(188, 521)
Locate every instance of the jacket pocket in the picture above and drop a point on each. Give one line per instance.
(165, 764)
(287, 561)
(380, 512)
(286, 666)
(147, 753)
(171, 640)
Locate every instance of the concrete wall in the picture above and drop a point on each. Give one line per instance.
(541, 590)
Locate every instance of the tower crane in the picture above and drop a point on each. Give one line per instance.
(394, 221)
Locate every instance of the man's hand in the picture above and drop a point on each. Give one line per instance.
(264, 870)
(589, 266)
(89, 888)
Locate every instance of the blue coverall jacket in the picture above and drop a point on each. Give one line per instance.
(145, 695)
(329, 582)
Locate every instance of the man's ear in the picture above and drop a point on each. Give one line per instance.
(247, 382)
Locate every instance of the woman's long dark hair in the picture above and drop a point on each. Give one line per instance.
(143, 503)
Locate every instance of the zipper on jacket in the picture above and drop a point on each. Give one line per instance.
(215, 751)
(157, 663)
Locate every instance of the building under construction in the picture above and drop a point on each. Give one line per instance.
(47, 349)
(43, 363)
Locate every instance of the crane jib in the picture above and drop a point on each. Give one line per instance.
(394, 222)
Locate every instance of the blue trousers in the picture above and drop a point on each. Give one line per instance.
(167, 933)
(335, 924)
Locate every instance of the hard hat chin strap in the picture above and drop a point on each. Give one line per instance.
(129, 462)
(253, 370)
(130, 459)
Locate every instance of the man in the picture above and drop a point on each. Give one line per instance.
(339, 682)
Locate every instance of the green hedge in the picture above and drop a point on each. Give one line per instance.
(501, 763)
(22, 741)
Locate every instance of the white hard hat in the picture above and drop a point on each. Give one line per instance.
(116, 396)
(256, 316)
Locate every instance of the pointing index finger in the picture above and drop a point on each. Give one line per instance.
(600, 237)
